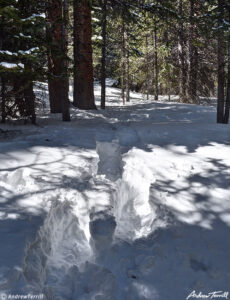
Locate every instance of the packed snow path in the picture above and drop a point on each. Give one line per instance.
(130, 203)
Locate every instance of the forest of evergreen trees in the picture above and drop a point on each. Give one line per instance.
(171, 47)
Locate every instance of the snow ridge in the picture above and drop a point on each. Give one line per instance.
(133, 210)
(60, 244)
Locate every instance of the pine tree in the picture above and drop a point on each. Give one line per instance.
(21, 64)
(83, 63)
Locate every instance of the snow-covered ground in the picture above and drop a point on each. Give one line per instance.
(130, 203)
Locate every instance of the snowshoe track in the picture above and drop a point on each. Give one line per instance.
(66, 253)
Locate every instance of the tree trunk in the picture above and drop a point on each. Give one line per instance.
(127, 81)
(123, 61)
(147, 66)
(30, 101)
(227, 101)
(168, 86)
(65, 83)
(3, 104)
(156, 64)
(54, 33)
(181, 55)
(221, 75)
(193, 57)
(103, 52)
(19, 84)
(83, 59)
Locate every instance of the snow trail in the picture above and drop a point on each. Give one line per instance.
(110, 159)
(133, 211)
(65, 249)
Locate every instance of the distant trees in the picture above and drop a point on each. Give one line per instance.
(161, 47)
(182, 54)
(103, 4)
(192, 52)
